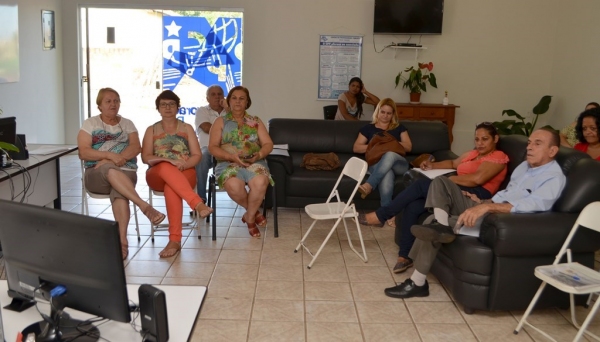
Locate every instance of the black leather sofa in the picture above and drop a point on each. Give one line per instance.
(495, 271)
(296, 186)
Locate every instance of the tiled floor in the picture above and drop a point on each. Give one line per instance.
(260, 290)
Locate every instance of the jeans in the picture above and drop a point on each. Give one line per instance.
(202, 172)
(383, 174)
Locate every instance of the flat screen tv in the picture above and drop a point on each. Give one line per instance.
(408, 16)
(70, 260)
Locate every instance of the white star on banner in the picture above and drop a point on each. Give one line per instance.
(173, 29)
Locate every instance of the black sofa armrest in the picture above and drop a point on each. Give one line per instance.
(534, 234)
(444, 155)
(285, 161)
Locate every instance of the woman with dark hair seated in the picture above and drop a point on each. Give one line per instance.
(479, 171)
(383, 173)
(109, 145)
(240, 143)
(172, 150)
(568, 135)
(350, 102)
(587, 132)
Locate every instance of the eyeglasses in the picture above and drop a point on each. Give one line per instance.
(167, 104)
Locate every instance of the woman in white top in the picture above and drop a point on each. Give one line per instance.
(350, 102)
(109, 145)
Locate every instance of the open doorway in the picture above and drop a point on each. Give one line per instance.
(141, 52)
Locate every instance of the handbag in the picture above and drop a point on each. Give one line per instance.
(381, 143)
(320, 161)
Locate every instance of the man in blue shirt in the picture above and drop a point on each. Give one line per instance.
(534, 186)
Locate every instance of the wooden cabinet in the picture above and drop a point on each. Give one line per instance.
(428, 111)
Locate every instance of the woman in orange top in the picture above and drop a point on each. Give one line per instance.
(479, 171)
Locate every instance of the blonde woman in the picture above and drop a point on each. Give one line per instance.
(391, 164)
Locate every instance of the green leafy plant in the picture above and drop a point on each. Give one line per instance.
(519, 125)
(416, 79)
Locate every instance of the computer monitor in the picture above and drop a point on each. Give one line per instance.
(47, 248)
(8, 130)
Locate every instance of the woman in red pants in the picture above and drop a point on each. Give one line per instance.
(171, 149)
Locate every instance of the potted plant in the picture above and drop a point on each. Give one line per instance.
(416, 79)
(507, 127)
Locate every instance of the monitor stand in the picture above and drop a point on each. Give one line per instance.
(61, 327)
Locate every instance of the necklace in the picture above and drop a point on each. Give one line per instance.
(164, 130)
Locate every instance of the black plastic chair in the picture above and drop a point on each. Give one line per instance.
(329, 112)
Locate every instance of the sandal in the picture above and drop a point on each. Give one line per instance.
(391, 222)
(171, 249)
(254, 232)
(260, 220)
(155, 216)
(203, 210)
(363, 191)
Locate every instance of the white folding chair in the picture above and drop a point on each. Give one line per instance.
(570, 277)
(192, 224)
(356, 169)
(84, 199)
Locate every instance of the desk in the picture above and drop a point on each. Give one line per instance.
(428, 111)
(45, 178)
(183, 306)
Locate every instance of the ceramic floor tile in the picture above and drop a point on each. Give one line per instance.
(236, 272)
(248, 243)
(147, 268)
(274, 310)
(332, 258)
(142, 280)
(383, 312)
(277, 243)
(488, 317)
(226, 308)
(559, 332)
(437, 293)
(434, 312)
(278, 332)
(198, 255)
(185, 281)
(277, 289)
(373, 259)
(235, 256)
(280, 257)
(499, 332)
(327, 331)
(199, 270)
(543, 316)
(204, 243)
(369, 274)
(226, 288)
(208, 330)
(320, 272)
(390, 332)
(372, 292)
(280, 272)
(445, 332)
(326, 290)
(370, 245)
(330, 311)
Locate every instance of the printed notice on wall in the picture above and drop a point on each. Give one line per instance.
(339, 61)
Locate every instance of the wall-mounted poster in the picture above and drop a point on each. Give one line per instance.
(339, 60)
(9, 41)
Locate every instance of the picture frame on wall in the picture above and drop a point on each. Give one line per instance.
(48, 41)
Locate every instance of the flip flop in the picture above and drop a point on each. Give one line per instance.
(155, 216)
(203, 210)
(168, 252)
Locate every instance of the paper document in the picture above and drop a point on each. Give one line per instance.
(48, 149)
(572, 274)
(470, 231)
(282, 146)
(434, 172)
(279, 152)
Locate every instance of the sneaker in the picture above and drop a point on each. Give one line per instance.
(402, 265)
(435, 232)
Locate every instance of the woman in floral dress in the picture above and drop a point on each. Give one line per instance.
(240, 143)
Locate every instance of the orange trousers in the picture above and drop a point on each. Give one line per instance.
(176, 185)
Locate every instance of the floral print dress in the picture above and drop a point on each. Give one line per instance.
(243, 141)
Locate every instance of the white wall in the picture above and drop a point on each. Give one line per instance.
(37, 99)
(492, 55)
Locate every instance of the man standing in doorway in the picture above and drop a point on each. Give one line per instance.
(205, 116)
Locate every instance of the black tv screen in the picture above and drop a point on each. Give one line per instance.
(408, 16)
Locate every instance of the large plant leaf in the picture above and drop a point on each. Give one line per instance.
(543, 105)
(510, 112)
(432, 80)
(8, 147)
(398, 79)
